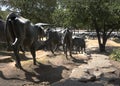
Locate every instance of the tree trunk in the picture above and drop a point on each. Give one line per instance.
(102, 48)
(99, 39)
(101, 44)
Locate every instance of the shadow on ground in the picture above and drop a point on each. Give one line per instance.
(10, 57)
(44, 73)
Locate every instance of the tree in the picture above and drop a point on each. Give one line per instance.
(101, 15)
(3, 14)
(105, 18)
(60, 17)
(72, 12)
(35, 10)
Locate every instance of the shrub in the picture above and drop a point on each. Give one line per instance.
(115, 55)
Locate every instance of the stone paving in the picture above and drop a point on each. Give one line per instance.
(94, 73)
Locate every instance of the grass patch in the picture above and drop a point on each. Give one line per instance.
(115, 55)
(117, 40)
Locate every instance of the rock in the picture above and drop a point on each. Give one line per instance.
(97, 62)
(108, 70)
(97, 74)
(82, 75)
(87, 77)
(77, 73)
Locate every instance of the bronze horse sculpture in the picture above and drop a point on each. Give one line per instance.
(20, 32)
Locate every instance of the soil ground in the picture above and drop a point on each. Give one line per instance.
(49, 69)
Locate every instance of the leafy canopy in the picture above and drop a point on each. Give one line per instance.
(35, 10)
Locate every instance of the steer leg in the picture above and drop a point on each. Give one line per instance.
(17, 59)
(16, 46)
(65, 50)
(32, 50)
(84, 50)
(22, 49)
(51, 48)
(52, 51)
(70, 49)
(70, 52)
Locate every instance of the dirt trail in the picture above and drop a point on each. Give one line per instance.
(57, 70)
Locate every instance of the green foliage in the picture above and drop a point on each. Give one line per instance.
(35, 10)
(115, 55)
(72, 14)
(82, 12)
(3, 14)
(101, 15)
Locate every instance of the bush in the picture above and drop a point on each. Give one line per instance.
(115, 55)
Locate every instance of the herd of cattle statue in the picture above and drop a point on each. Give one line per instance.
(20, 33)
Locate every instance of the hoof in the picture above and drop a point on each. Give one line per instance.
(71, 56)
(18, 66)
(55, 55)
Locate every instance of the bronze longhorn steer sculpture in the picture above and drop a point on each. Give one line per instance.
(20, 32)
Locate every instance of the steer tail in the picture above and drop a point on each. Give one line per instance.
(9, 32)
